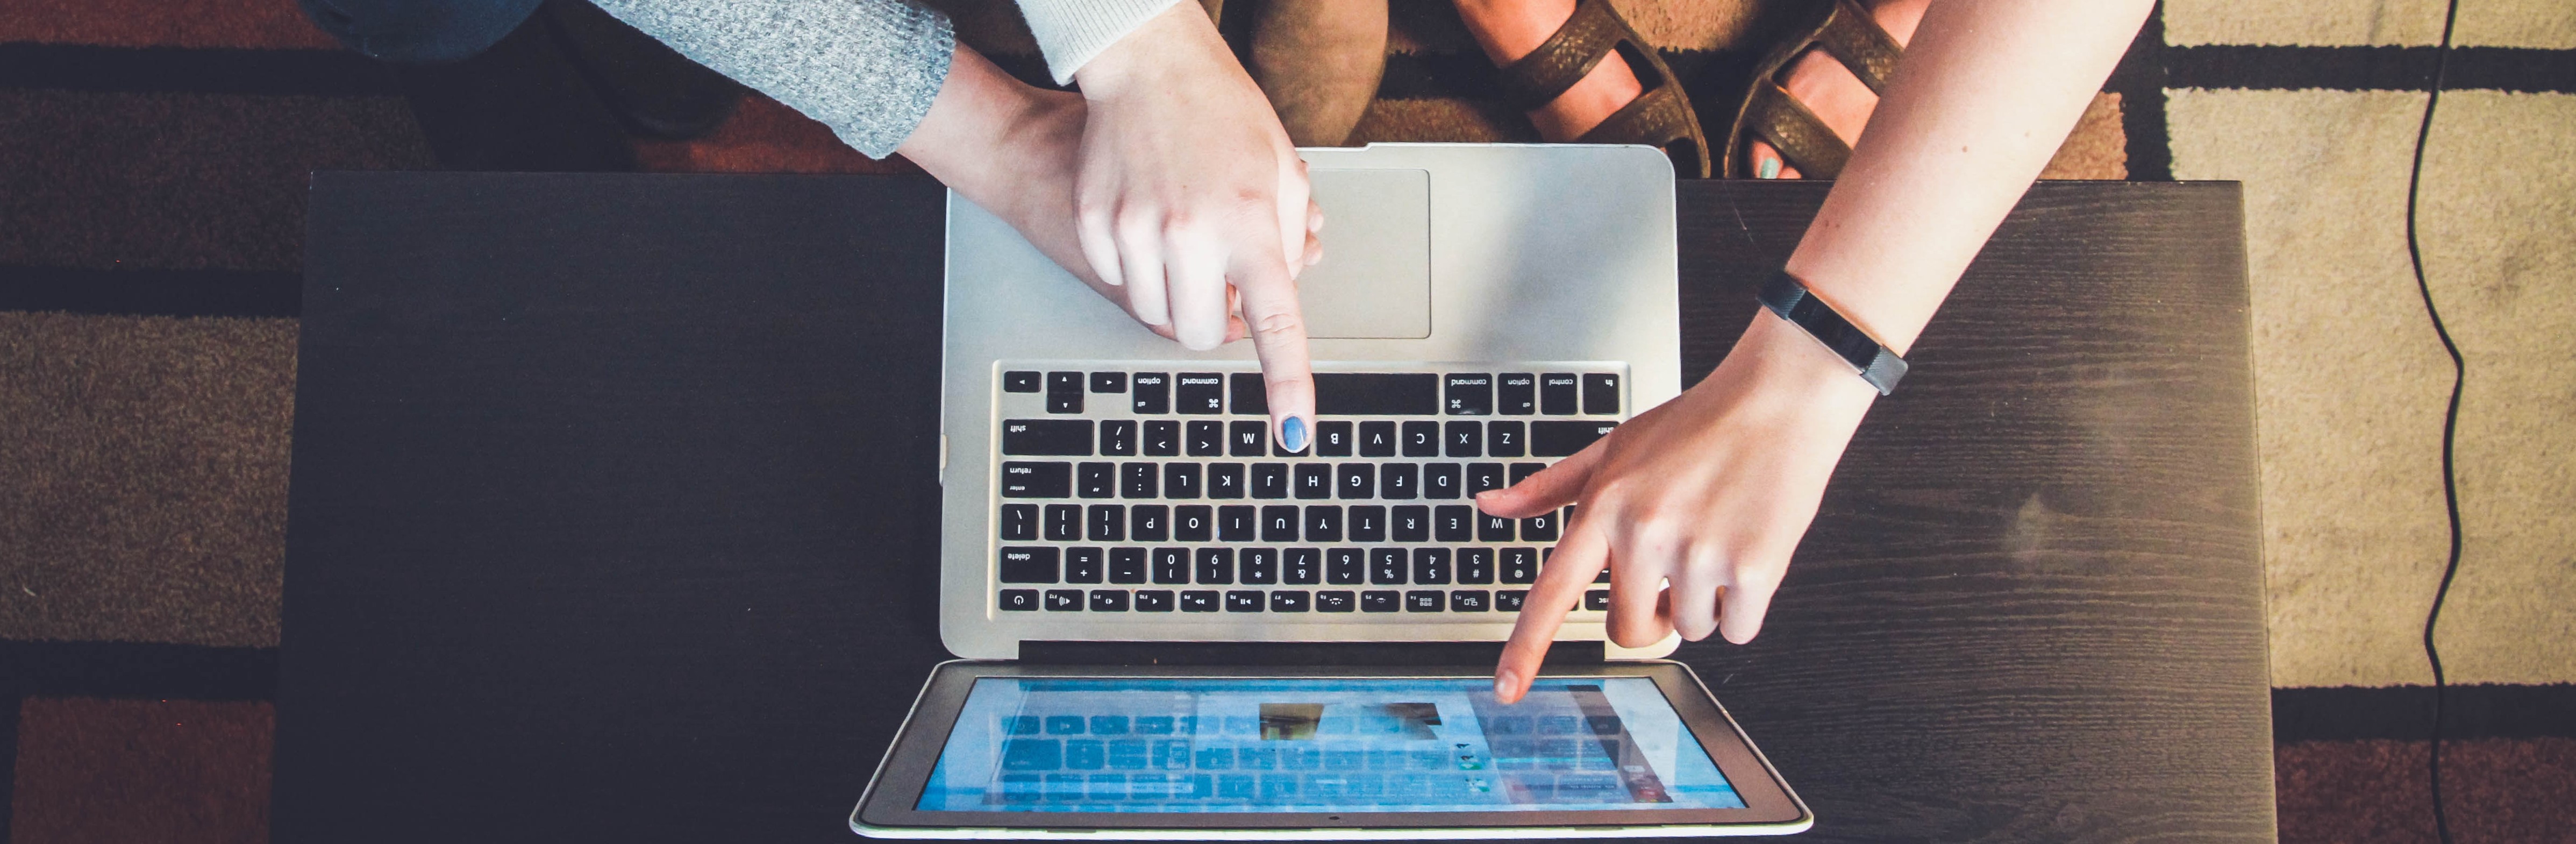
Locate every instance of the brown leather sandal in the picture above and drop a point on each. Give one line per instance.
(1660, 117)
(1844, 31)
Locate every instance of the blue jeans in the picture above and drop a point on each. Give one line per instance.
(419, 31)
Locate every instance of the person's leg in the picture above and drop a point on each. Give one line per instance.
(520, 104)
(1510, 29)
(419, 31)
(657, 92)
(489, 85)
(1831, 91)
(1319, 62)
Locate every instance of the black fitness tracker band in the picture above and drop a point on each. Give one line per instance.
(1788, 297)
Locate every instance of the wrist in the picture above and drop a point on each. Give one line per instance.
(961, 139)
(1780, 357)
(1173, 38)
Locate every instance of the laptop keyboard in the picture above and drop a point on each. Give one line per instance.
(1146, 491)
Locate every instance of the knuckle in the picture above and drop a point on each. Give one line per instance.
(1633, 635)
(1657, 532)
(1134, 223)
(1279, 324)
(1093, 211)
(1705, 568)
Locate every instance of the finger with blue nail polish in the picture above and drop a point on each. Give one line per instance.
(1292, 435)
(1267, 301)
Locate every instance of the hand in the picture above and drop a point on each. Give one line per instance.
(1709, 492)
(1190, 197)
(1013, 150)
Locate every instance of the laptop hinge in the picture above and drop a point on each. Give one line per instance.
(1292, 653)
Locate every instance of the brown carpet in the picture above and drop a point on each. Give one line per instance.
(235, 24)
(116, 180)
(93, 771)
(2374, 790)
(147, 492)
(144, 438)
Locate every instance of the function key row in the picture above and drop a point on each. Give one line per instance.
(1333, 438)
(1336, 393)
(1273, 523)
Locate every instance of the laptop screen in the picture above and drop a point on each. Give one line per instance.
(1319, 745)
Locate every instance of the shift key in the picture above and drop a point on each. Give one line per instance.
(1552, 438)
(1047, 437)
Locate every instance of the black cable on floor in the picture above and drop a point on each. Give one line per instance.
(2450, 417)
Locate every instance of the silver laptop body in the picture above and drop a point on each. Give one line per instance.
(1513, 262)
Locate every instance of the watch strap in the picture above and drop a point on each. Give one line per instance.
(1788, 297)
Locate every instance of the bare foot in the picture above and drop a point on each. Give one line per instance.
(1510, 29)
(1825, 87)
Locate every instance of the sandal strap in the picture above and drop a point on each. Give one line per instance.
(1854, 38)
(1565, 58)
(1801, 137)
(1657, 117)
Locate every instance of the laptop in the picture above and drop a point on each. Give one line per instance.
(1173, 628)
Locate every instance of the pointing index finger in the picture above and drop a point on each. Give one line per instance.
(1560, 585)
(1277, 328)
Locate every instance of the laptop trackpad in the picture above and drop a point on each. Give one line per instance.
(1375, 279)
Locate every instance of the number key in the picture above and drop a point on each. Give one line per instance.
(1343, 567)
(1386, 566)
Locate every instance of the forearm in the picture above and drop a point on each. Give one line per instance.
(1007, 147)
(866, 68)
(1986, 93)
(1072, 32)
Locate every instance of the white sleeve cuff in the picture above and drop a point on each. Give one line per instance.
(1071, 32)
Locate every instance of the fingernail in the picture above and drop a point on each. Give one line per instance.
(1504, 682)
(1292, 434)
(1770, 168)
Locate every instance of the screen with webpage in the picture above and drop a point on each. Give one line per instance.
(1319, 745)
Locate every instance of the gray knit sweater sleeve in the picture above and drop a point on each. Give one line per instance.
(866, 68)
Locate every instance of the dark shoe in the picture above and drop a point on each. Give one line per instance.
(654, 90)
(1661, 116)
(1844, 31)
(517, 105)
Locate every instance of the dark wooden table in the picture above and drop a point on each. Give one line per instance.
(614, 502)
